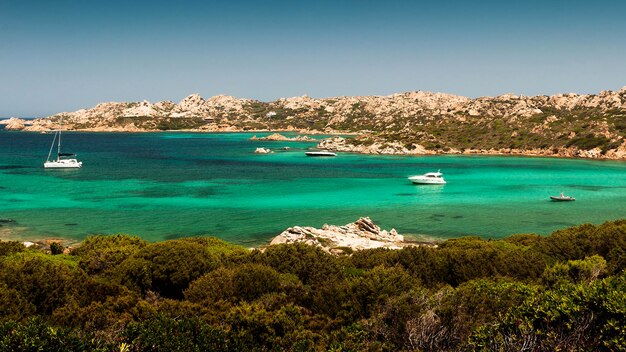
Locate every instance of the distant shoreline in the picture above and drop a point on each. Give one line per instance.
(410, 123)
(562, 153)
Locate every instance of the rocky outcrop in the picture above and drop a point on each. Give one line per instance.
(361, 234)
(14, 124)
(619, 153)
(280, 137)
(341, 144)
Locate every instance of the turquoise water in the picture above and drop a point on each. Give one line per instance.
(168, 185)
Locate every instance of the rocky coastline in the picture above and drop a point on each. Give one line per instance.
(10, 230)
(382, 147)
(413, 123)
(344, 145)
(337, 240)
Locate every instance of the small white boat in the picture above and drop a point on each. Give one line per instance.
(64, 160)
(429, 178)
(562, 198)
(320, 153)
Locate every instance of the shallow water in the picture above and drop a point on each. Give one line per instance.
(167, 185)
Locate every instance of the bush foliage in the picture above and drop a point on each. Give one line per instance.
(566, 291)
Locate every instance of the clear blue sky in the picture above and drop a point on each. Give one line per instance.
(60, 55)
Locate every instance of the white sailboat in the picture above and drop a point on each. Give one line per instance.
(64, 160)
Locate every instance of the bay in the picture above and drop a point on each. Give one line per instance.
(168, 185)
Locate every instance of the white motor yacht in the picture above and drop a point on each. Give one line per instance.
(429, 178)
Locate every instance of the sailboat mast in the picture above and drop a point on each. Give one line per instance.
(59, 148)
(51, 146)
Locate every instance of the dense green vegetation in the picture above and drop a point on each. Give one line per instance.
(580, 129)
(154, 123)
(566, 291)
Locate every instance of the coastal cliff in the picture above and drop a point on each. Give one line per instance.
(570, 125)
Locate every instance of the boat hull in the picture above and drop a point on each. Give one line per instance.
(424, 181)
(63, 164)
(562, 199)
(320, 154)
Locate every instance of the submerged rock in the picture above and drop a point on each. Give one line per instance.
(361, 234)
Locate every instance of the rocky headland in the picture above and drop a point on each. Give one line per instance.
(564, 125)
(359, 235)
(14, 123)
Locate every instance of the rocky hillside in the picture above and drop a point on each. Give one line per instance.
(586, 125)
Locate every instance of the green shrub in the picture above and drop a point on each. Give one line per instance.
(163, 333)
(246, 282)
(99, 254)
(43, 281)
(56, 248)
(570, 317)
(607, 240)
(311, 264)
(587, 142)
(169, 267)
(10, 247)
(577, 271)
(379, 284)
(13, 306)
(36, 335)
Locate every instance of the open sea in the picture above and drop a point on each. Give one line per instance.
(168, 185)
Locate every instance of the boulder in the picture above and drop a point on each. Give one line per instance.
(262, 150)
(361, 234)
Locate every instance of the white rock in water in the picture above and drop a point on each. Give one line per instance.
(262, 150)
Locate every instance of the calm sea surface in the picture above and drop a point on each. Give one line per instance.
(167, 185)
